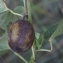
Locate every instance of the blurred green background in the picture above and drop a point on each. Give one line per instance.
(45, 14)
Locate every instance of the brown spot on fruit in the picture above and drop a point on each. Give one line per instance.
(21, 36)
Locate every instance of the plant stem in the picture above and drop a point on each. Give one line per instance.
(25, 12)
(14, 13)
(30, 20)
(50, 40)
(29, 11)
(11, 10)
(20, 57)
(33, 52)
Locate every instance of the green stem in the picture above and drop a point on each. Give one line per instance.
(25, 12)
(30, 20)
(50, 40)
(14, 13)
(33, 52)
(20, 57)
(11, 10)
(29, 11)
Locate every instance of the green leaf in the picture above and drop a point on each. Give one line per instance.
(3, 40)
(7, 17)
(37, 35)
(38, 40)
(2, 32)
(31, 60)
(10, 18)
(3, 7)
(50, 31)
(2, 17)
(3, 52)
(58, 31)
(4, 44)
(47, 34)
(36, 43)
(19, 9)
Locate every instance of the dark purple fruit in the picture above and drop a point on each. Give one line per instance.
(21, 36)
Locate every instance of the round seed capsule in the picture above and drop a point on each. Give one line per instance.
(21, 36)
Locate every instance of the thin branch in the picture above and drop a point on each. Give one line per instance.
(33, 52)
(20, 57)
(29, 11)
(15, 13)
(11, 10)
(47, 49)
(24, 2)
(30, 20)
